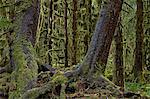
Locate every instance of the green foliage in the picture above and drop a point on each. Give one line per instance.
(4, 22)
(4, 50)
(143, 89)
(59, 78)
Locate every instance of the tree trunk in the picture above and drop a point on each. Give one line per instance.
(3, 63)
(147, 37)
(25, 59)
(102, 37)
(103, 34)
(50, 32)
(138, 69)
(119, 69)
(147, 49)
(66, 34)
(74, 33)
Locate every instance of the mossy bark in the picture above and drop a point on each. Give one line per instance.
(24, 56)
(138, 64)
(74, 33)
(4, 76)
(100, 45)
(102, 37)
(25, 67)
(118, 74)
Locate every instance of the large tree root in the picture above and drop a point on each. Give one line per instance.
(35, 92)
(3, 69)
(87, 85)
(101, 86)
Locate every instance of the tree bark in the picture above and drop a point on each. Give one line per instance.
(102, 37)
(119, 69)
(74, 33)
(147, 35)
(66, 34)
(138, 65)
(23, 53)
(50, 26)
(103, 34)
(4, 65)
(147, 49)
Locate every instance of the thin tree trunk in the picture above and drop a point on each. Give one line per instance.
(87, 36)
(147, 35)
(138, 69)
(50, 33)
(66, 34)
(147, 49)
(119, 69)
(74, 33)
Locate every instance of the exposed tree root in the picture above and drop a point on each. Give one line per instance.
(86, 84)
(35, 92)
(3, 69)
(94, 78)
(83, 87)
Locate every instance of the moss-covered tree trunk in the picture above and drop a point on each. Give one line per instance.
(74, 33)
(3, 68)
(50, 26)
(25, 66)
(138, 65)
(147, 37)
(119, 69)
(102, 37)
(89, 70)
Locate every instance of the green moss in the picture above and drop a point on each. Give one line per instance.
(4, 82)
(85, 68)
(59, 78)
(24, 55)
(35, 92)
(25, 67)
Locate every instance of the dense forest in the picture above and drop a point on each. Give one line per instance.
(75, 49)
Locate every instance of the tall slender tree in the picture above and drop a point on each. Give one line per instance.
(138, 65)
(119, 69)
(89, 27)
(50, 22)
(66, 34)
(147, 34)
(74, 32)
